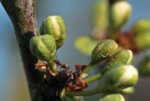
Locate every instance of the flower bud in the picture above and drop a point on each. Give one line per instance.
(100, 15)
(119, 14)
(54, 25)
(113, 97)
(123, 57)
(103, 50)
(144, 66)
(142, 40)
(128, 90)
(121, 76)
(43, 47)
(141, 25)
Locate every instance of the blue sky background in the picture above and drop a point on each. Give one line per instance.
(77, 15)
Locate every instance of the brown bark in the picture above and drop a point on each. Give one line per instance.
(22, 15)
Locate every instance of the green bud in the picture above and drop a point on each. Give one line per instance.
(113, 97)
(144, 66)
(123, 57)
(142, 40)
(141, 25)
(121, 76)
(119, 14)
(103, 50)
(43, 47)
(128, 90)
(100, 15)
(55, 26)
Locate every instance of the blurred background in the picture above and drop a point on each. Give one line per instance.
(77, 15)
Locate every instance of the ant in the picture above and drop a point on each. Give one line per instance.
(64, 77)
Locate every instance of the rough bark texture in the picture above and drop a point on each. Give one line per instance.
(22, 15)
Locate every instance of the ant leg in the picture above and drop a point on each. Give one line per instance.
(66, 67)
(58, 63)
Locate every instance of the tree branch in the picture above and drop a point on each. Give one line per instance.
(22, 15)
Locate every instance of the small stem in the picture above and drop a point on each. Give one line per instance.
(114, 34)
(38, 32)
(84, 93)
(88, 68)
(52, 65)
(93, 78)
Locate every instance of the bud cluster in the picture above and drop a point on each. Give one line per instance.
(118, 75)
(109, 50)
(52, 36)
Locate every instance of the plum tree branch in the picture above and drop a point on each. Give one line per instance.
(23, 16)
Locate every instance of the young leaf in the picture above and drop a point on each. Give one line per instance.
(85, 44)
